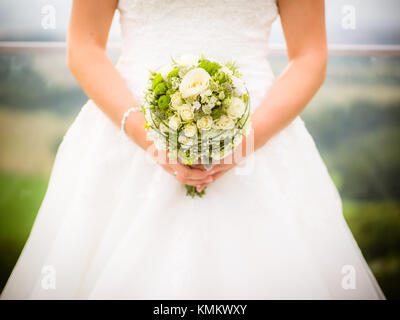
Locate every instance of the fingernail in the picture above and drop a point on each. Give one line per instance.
(209, 179)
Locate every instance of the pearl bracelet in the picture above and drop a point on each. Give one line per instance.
(125, 117)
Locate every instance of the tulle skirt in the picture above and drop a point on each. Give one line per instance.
(115, 225)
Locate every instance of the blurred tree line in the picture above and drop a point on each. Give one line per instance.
(359, 142)
(361, 146)
(24, 88)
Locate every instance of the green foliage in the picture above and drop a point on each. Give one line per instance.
(359, 147)
(222, 77)
(21, 196)
(217, 112)
(232, 65)
(375, 226)
(192, 191)
(22, 87)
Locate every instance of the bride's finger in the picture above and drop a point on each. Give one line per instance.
(198, 166)
(200, 188)
(191, 174)
(195, 183)
(218, 168)
(219, 174)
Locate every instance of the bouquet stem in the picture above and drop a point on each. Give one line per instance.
(192, 191)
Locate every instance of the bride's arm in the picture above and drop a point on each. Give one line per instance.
(303, 23)
(87, 39)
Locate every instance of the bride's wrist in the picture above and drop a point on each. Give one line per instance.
(134, 129)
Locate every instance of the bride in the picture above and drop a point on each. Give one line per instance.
(117, 224)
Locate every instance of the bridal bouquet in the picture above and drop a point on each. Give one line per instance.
(197, 109)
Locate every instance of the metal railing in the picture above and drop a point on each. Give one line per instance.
(275, 49)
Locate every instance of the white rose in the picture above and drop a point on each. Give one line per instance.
(187, 60)
(165, 70)
(224, 123)
(236, 108)
(213, 101)
(190, 130)
(176, 100)
(206, 94)
(194, 82)
(205, 123)
(185, 112)
(174, 122)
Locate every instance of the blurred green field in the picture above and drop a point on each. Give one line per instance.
(354, 120)
(20, 199)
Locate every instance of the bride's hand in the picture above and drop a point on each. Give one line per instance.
(224, 165)
(216, 171)
(184, 174)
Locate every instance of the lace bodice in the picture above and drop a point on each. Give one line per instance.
(155, 30)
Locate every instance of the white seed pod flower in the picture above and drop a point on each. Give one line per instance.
(196, 105)
(206, 108)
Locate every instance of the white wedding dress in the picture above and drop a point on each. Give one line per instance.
(115, 225)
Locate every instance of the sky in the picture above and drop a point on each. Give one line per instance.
(376, 21)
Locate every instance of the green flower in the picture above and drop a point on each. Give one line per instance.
(163, 102)
(157, 79)
(173, 73)
(160, 89)
(210, 67)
